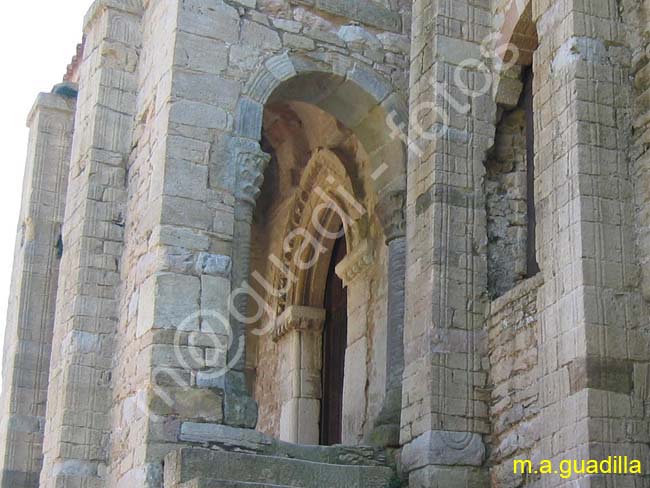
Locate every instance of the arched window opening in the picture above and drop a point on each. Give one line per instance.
(333, 164)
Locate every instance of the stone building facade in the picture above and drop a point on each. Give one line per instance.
(323, 243)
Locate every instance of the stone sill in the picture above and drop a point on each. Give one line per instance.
(522, 289)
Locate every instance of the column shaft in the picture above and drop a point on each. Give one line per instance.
(78, 426)
(445, 415)
(386, 432)
(30, 321)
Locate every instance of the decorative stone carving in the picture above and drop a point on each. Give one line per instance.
(390, 211)
(445, 448)
(355, 263)
(240, 410)
(299, 318)
(324, 178)
(98, 7)
(250, 164)
(357, 232)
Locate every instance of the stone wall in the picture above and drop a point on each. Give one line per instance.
(591, 313)
(513, 334)
(186, 107)
(193, 177)
(635, 13)
(135, 345)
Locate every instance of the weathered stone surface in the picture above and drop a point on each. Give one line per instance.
(201, 405)
(229, 438)
(214, 138)
(206, 88)
(189, 464)
(201, 54)
(298, 42)
(287, 25)
(248, 118)
(214, 20)
(446, 477)
(214, 264)
(34, 284)
(364, 11)
(169, 301)
(359, 35)
(513, 331)
(371, 83)
(602, 374)
(259, 36)
(215, 304)
(506, 202)
(240, 410)
(444, 448)
(196, 113)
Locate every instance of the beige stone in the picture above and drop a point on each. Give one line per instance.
(174, 286)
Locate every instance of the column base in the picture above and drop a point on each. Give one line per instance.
(387, 426)
(239, 407)
(18, 479)
(386, 435)
(65, 481)
(449, 477)
(446, 459)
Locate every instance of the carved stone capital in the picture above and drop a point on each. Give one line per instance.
(98, 7)
(299, 317)
(355, 263)
(390, 211)
(250, 164)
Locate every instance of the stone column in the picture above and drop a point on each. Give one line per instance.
(78, 425)
(299, 333)
(30, 320)
(352, 270)
(240, 410)
(445, 414)
(391, 214)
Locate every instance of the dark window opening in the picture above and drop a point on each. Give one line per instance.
(531, 250)
(59, 247)
(335, 336)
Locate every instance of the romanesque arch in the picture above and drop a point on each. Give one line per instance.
(516, 41)
(354, 185)
(353, 94)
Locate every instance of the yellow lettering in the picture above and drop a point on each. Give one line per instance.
(606, 466)
(565, 469)
(592, 467)
(522, 466)
(546, 467)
